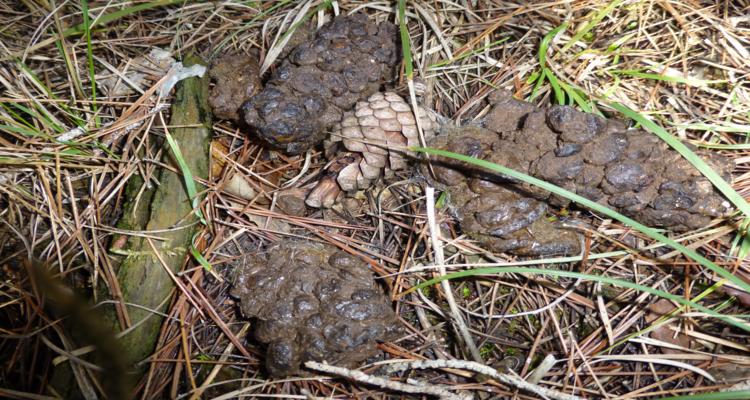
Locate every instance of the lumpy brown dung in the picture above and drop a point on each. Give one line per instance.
(236, 78)
(347, 60)
(311, 301)
(629, 170)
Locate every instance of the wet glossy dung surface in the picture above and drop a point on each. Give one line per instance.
(629, 170)
(346, 61)
(312, 302)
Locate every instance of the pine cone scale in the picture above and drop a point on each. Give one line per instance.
(377, 129)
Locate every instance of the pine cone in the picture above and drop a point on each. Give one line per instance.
(312, 302)
(629, 170)
(348, 60)
(387, 123)
(327, 190)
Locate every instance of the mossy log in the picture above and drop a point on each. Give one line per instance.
(141, 275)
(166, 214)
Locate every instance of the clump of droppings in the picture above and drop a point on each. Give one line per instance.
(235, 78)
(312, 302)
(347, 60)
(629, 170)
(504, 218)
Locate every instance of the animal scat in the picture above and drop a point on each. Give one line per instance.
(312, 302)
(347, 60)
(626, 169)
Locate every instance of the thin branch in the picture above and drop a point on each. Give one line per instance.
(413, 387)
(507, 379)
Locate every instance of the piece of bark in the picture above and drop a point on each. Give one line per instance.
(141, 276)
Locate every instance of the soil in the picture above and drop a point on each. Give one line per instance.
(629, 170)
(347, 60)
(312, 302)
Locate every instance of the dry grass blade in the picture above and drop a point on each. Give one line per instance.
(81, 128)
(437, 246)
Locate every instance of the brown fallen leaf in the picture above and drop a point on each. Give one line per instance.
(219, 152)
(664, 333)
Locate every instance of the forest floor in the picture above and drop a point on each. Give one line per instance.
(79, 118)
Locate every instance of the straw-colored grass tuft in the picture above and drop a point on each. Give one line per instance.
(81, 115)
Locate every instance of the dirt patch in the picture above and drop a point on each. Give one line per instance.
(312, 302)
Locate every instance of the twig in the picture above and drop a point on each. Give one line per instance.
(544, 367)
(412, 387)
(437, 246)
(485, 370)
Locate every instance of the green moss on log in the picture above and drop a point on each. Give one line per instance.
(142, 276)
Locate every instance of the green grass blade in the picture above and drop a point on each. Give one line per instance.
(405, 42)
(539, 82)
(36, 81)
(661, 320)
(29, 132)
(187, 175)
(62, 106)
(741, 242)
(114, 16)
(738, 395)
(617, 43)
(14, 117)
(591, 24)
(559, 94)
(40, 113)
(533, 77)
(467, 54)
(198, 256)
(652, 233)
(698, 162)
(578, 275)
(546, 40)
(201, 260)
(585, 105)
(666, 78)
